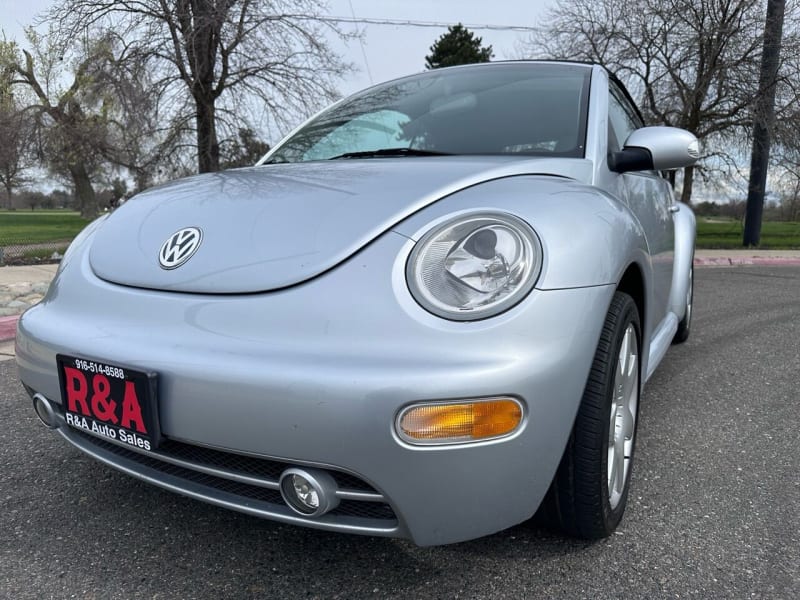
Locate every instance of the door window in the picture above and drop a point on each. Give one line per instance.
(622, 119)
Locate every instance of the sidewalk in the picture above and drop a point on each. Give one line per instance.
(727, 258)
(21, 287)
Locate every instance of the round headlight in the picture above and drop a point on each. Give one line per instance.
(474, 266)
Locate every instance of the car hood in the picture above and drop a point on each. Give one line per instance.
(269, 227)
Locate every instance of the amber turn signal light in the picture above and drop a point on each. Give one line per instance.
(459, 422)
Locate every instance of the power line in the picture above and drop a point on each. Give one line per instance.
(361, 43)
(411, 23)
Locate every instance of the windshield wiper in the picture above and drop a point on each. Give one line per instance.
(390, 152)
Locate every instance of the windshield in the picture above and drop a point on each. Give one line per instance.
(510, 108)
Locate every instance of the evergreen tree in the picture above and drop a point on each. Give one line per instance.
(458, 46)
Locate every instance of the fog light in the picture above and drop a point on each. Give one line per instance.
(309, 492)
(44, 410)
(459, 422)
(305, 494)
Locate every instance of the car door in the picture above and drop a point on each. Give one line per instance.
(650, 198)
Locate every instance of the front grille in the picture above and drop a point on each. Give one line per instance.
(265, 470)
(248, 465)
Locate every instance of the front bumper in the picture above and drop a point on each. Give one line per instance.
(316, 374)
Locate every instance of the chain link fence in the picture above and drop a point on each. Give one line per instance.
(13, 252)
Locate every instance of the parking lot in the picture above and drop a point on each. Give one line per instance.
(714, 510)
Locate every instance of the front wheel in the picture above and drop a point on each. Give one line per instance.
(590, 490)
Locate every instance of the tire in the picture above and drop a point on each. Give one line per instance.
(684, 327)
(590, 490)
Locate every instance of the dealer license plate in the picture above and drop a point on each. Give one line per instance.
(110, 401)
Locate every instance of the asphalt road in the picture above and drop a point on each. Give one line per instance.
(714, 510)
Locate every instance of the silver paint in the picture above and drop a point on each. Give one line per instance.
(301, 342)
(670, 147)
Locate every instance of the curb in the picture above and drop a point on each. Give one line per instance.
(8, 328)
(738, 262)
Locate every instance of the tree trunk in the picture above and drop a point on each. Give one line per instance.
(688, 182)
(84, 192)
(8, 187)
(207, 146)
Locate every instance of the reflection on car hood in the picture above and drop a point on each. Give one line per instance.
(273, 226)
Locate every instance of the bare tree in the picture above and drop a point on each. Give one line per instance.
(789, 190)
(244, 151)
(228, 56)
(786, 159)
(102, 117)
(16, 132)
(16, 149)
(690, 64)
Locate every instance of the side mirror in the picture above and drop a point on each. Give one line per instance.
(656, 148)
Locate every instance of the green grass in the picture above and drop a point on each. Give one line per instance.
(34, 227)
(727, 233)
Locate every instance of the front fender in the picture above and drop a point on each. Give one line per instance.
(588, 237)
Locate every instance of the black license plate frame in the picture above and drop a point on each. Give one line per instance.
(110, 400)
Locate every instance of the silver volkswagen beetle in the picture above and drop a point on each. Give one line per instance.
(426, 313)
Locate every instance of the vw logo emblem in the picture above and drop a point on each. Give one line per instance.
(180, 247)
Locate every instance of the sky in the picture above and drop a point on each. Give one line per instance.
(393, 50)
(385, 51)
(388, 51)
